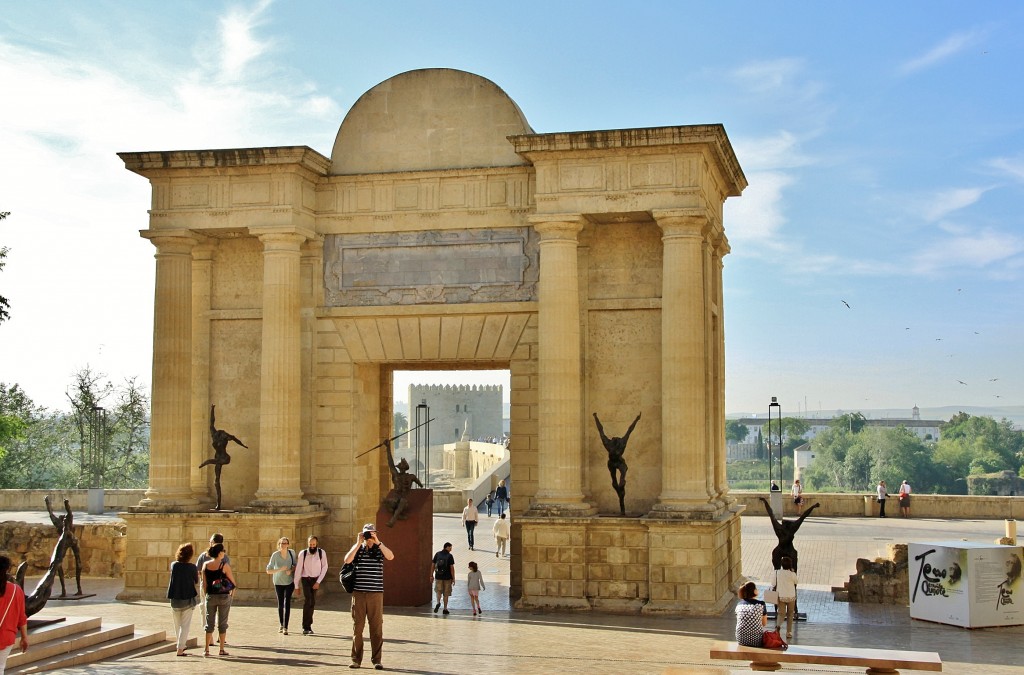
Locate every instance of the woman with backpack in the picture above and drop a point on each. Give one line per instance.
(282, 566)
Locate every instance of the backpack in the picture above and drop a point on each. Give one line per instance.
(347, 576)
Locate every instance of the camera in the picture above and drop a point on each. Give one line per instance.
(367, 535)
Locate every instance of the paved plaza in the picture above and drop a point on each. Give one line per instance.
(508, 641)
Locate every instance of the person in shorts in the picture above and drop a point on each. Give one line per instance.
(443, 575)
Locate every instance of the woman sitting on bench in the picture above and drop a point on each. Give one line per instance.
(751, 617)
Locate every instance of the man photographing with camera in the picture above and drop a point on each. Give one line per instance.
(369, 554)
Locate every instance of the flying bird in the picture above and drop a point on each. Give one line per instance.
(962, 382)
(994, 379)
(847, 304)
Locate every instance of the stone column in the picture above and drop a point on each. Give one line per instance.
(202, 270)
(311, 275)
(685, 455)
(560, 456)
(721, 249)
(280, 374)
(170, 455)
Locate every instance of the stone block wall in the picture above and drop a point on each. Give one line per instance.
(630, 565)
(102, 547)
(32, 500)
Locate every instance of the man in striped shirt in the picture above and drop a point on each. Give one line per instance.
(369, 554)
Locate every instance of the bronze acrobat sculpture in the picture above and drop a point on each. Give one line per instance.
(37, 600)
(396, 500)
(785, 530)
(219, 439)
(65, 523)
(616, 448)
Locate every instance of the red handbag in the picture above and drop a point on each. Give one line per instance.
(773, 640)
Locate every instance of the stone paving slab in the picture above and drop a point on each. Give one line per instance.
(418, 641)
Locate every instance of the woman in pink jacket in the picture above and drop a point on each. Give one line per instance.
(12, 614)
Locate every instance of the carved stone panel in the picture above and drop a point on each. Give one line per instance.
(434, 267)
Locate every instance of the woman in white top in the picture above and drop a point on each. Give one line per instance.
(785, 585)
(883, 494)
(469, 517)
(798, 496)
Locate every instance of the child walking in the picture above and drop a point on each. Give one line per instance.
(475, 584)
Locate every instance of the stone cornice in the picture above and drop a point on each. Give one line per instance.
(532, 146)
(157, 163)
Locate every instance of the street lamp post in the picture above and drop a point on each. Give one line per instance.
(775, 432)
(423, 440)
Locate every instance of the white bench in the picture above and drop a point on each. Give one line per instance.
(877, 661)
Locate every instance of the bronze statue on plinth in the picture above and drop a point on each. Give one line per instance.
(219, 439)
(785, 530)
(617, 467)
(397, 500)
(65, 523)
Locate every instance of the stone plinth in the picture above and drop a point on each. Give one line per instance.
(634, 565)
(250, 539)
(406, 577)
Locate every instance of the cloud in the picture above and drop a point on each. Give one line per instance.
(764, 76)
(1011, 166)
(756, 218)
(968, 250)
(239, 45)
(941, 204)
(951, 46)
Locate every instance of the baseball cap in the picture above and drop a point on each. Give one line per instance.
(369, 527)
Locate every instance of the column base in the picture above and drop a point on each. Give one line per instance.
(563, 509)
(155, 502)
(267, 505)
(683, 509)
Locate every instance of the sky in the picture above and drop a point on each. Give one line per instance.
(877, 255)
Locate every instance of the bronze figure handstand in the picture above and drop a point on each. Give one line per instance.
(616, 448)
(219, 439)
(785, 530)
(396, 500)
(65, 523)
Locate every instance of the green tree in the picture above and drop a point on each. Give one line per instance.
(38, 456)
(112, 444)
(401, 423)
(852, 422)
(994, 444)
(735, 431)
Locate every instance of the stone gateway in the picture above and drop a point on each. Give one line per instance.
(443, 233)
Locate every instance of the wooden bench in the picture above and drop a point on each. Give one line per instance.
(877, 661)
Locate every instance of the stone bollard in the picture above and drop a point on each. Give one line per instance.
(1011, 533)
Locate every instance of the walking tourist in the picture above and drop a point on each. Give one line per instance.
(181, 591)
(751, 617)
(501, 496)
(282, 566)
(475, 584)
(443, 576)
(369, 554)
(215, 538)
(220, 589)
(489, 503)
(310, 570)
(14, 621)
(501, 534)
(470, 516)
(785, 585)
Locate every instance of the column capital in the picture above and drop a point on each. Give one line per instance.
(557, 225)
(681, 222)
(282, 238)
(171, 241)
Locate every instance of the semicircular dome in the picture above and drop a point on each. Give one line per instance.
(435, 118)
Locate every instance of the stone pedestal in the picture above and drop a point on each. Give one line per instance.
(406, 577)
(250, 539)
(635, 565)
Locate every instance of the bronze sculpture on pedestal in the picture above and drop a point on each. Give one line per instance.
(219, 439)
(616, 448)
(65, 523)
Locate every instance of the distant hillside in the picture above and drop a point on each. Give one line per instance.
(1014, 413)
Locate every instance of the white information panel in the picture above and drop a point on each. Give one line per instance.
(966, 584)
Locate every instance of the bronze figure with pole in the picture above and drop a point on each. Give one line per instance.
(219, 439)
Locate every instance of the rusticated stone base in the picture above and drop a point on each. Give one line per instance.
(631, 565)
(250, 539)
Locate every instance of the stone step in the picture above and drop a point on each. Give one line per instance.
(75, 641)
(167, 646)
(102, 651)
